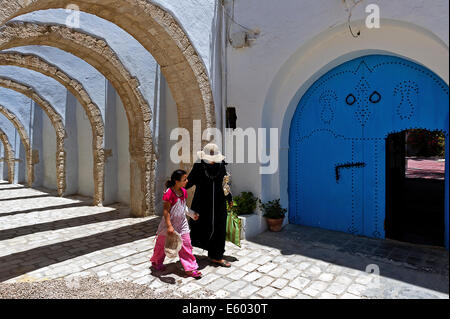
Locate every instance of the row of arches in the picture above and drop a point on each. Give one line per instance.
(158, 32)
(25, 139)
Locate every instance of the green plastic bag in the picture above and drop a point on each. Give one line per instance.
(233, 229)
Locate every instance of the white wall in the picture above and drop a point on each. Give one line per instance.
(48, 88)
(168, 116)
(85, 153)
(48, 154)
(196, 17)
(2, 164)
(10, 132)
(123, 154)
(17, 103)
(20, 106)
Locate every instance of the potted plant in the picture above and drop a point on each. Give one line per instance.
(244, 204)
(243, 207)
(274, 214)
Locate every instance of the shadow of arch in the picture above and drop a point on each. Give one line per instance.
(36, 63)
(25, 141)
(97, 52)
(55, 253)
(56, 121)
(9, 155)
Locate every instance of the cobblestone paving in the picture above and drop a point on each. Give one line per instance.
(43, 237)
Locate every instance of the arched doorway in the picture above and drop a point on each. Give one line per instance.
(415, 187)
(337, 143)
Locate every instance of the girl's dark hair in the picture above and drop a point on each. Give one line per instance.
(176, 176)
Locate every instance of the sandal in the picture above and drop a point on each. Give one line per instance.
(221, 263)
(160, 267)
(194, 274)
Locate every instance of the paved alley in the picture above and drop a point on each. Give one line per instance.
(44, 237)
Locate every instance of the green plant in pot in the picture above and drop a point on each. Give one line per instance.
(274, 214)
(245, 203)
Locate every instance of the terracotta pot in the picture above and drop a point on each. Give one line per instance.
(275, 224)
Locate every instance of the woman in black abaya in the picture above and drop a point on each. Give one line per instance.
(209, 231)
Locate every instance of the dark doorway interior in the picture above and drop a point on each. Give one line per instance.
(415, 189)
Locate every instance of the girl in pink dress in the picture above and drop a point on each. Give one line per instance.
(174, 219)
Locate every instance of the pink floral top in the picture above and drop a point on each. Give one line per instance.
(177, 213)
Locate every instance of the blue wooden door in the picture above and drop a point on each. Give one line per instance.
(338, 137)
(333, 202)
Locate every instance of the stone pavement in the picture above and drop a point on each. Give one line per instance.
(44, 237)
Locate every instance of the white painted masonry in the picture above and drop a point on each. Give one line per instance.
(123, 162)
(48, 153)
(85, 159)
(297, 44)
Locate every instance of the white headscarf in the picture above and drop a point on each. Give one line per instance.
(211, 153)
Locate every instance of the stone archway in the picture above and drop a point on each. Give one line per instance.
(9, 155)
(161, 34)
(97, 52)
(36, 63)
(56, 121)
(25, 141)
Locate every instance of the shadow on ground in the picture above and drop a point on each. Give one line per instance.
(175, 269)
(63, 223)
(423, 266)
(47, 255)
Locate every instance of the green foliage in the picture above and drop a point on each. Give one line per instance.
(426, 143)
(245, 203)
(272, 209)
